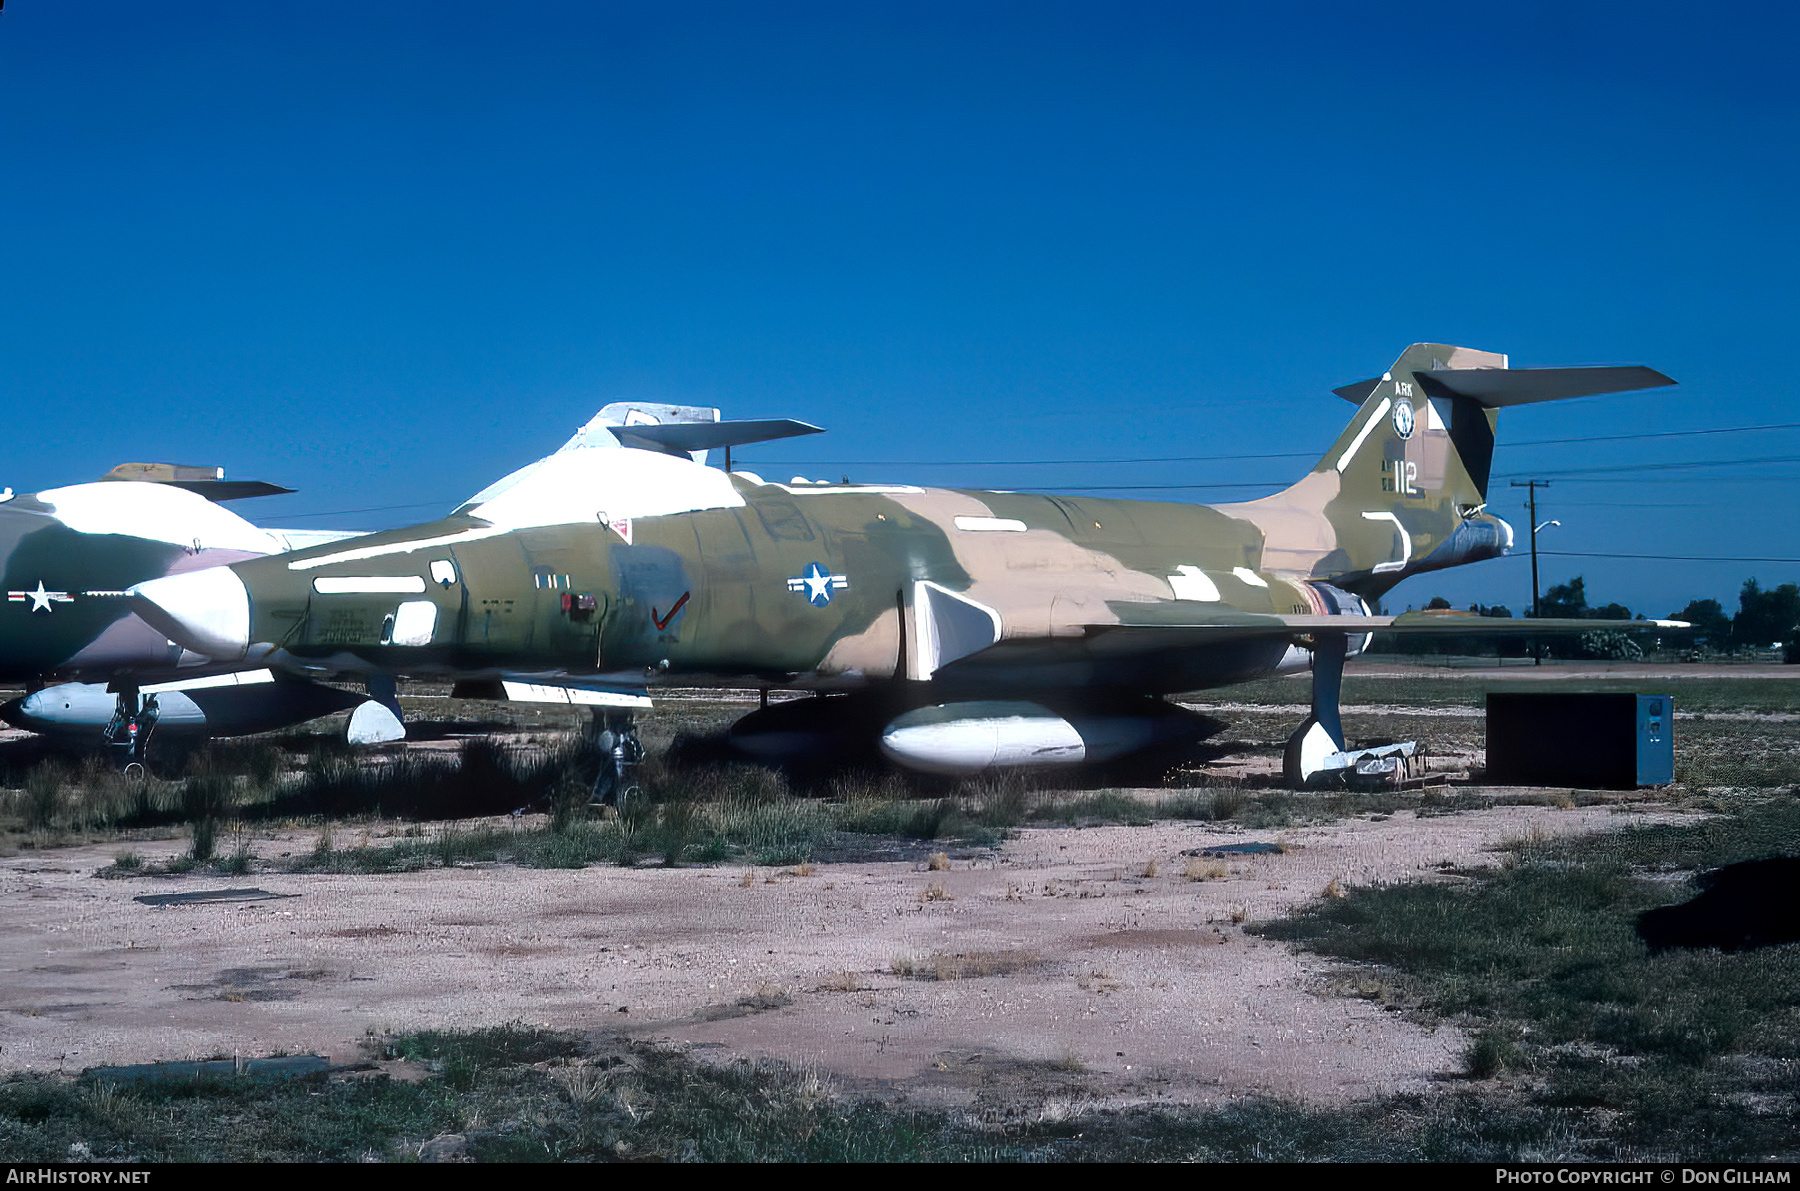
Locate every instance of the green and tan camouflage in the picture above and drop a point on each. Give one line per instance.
(623, 562)
(66, 625)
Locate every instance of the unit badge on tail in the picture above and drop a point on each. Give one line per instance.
(1403, 418)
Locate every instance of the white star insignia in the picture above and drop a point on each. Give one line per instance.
(41, 599)
(816, 584)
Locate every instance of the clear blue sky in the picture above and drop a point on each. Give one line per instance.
(384, 253)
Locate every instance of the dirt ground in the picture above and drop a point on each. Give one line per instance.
(1105, 981)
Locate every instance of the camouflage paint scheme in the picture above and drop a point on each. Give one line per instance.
(630, 567)
(70, 554)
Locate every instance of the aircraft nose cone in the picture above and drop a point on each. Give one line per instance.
(21, 713)
(207, 611)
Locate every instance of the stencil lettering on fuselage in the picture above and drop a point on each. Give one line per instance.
(651, 581)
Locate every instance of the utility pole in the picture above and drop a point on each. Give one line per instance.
(1537, 655)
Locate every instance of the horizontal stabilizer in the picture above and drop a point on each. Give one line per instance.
(209, 482)
(163, 473)
(217, 490)
(683, 437)
(1357, 392)
(1497, 387)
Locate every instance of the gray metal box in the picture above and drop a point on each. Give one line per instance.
(1592, 741)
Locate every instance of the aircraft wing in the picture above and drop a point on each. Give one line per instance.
(1160, 631)
(1221, 622)
(1164, 640)
(1463, 623)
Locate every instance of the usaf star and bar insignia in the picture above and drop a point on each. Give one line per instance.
(817, 584)
(40, 599)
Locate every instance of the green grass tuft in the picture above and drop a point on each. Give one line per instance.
(1542, 960)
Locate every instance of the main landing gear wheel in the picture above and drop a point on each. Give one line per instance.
(127, 734)
(615, 738)
(1316, 753)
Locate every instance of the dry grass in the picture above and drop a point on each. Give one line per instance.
(962, 965)
(1366, 987)
(1149, 871)
(1333, 889)
(935, 892)
(938, 862)
(1203, 870)
(1225, 803)
(766, 996)
(844, 981)
(582, 1084)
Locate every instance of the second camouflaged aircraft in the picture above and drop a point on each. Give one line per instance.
(959, 629)
(68, 554)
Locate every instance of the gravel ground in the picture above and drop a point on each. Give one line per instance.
(1110, 984)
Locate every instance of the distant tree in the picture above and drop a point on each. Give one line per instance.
(1766, 617)
(1565, 601)
(1610, 645)
(1464, 646)
(1568, 601)
(1711, 626)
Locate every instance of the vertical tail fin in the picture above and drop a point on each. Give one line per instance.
(1402, 489)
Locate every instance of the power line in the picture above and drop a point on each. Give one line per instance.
(1284, 482)
(1147, 487)
(1686, 480)
(1022, 462)
(1562, 503)
(423, 504)
(1668, 557)
(1569, 475)
(1535, 442)
(1289, 480)
(1676, 466)
(1553, 442)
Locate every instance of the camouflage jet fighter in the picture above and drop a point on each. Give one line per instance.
(71, 552)
(957, 629)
